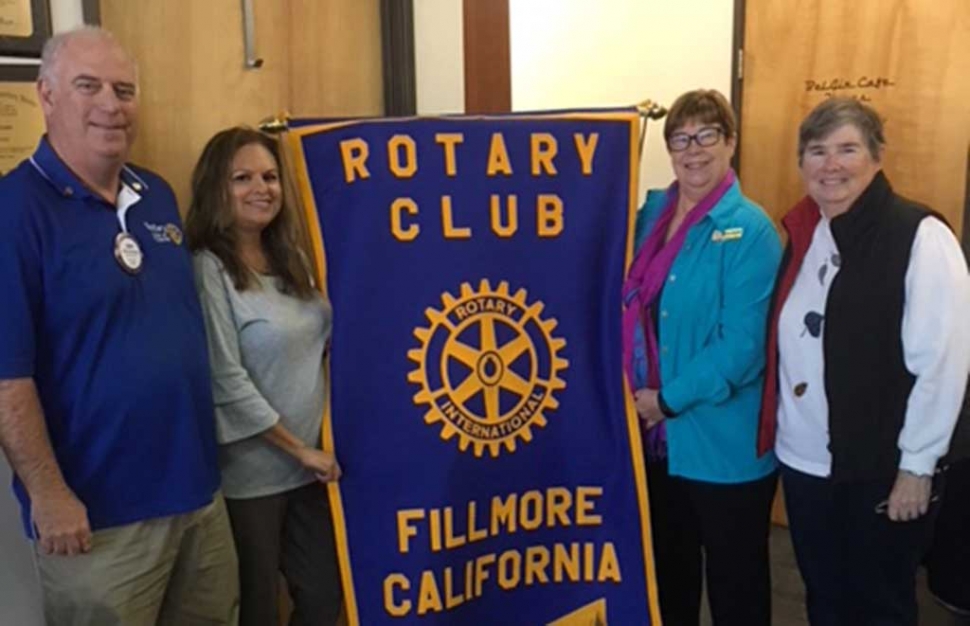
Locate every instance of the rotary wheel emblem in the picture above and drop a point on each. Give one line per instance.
(488, 365)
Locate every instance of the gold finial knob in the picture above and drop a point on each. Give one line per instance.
(275, 124)
(650, 109)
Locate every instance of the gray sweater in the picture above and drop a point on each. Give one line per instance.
(266, 354)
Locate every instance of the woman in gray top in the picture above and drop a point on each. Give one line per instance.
(268, 331)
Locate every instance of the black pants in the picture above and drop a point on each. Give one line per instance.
(858, 565)
(948, 563)
(723, 526)
(292, 533)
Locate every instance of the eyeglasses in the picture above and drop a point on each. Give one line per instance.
(705, 137)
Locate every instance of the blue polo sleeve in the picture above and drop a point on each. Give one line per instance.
(735, 354)
(21, 283)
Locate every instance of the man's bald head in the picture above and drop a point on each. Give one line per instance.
(56, 45)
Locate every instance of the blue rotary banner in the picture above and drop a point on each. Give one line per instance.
(493, 472)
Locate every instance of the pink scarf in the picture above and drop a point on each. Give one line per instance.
(648, 273)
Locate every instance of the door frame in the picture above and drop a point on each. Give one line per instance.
(91, 12)
(397, 51)
(737, 73)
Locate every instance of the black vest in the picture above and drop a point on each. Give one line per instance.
(866, 380)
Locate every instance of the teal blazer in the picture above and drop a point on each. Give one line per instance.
(712, 319)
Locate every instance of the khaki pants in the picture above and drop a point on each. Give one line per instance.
(172, 570)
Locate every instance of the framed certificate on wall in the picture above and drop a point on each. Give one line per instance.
(21, 117)
(24, 26)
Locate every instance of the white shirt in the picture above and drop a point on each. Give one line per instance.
(936, 350)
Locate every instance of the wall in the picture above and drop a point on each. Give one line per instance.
(576, 53)
(586, 53)
(438, 57)
(66, 14)
(19, 590)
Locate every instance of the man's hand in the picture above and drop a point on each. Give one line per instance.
(61, 519)
(323, 464)
(62, 523)
(648, 408)
(910, 497)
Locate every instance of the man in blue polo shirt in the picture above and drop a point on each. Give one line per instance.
(105, 404)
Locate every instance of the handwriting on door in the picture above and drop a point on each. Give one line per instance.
(861, 89)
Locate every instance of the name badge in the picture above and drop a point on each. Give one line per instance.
(728, 234)
(128, 253)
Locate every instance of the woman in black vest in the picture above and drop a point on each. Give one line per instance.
(868, 356)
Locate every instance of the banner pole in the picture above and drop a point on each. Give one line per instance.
(649, 110)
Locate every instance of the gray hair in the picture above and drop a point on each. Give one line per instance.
(51, 54)
(834, 113)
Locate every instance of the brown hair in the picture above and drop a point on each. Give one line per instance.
(705, 106)
(834, 113)
(210, 221)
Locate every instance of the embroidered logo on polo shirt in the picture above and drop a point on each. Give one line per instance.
(174, 234)
(165, 233)
(728, 234)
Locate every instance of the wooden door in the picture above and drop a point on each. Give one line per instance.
(335, 63)
(910, 59)
(319, 59)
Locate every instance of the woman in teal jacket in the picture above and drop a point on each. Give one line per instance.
(696, 300)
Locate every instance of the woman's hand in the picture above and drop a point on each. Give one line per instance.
(648, 407)
(323, 464)
(910, 497)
